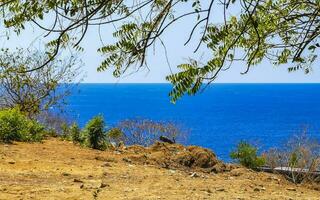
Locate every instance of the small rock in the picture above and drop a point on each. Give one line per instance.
(103, 185)
(121, 145)
(291, 189)
(273, 178)
(172, 171)
(220, 190)
(194, 175)
(127, 160)
(236, 172)
(12, 162)
(117, 152)
(259, 189)
(90, 176)
(77, 180)
(81, 186)
(65, 174)
(105, 165)
(256, 189)
(209, 191)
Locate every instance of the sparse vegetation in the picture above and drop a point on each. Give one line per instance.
(115, 135)
(299, 158)
(65, 132)
(247, 155)
(75, 133)
(145, 132)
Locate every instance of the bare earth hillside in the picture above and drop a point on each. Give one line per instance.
(61, 170)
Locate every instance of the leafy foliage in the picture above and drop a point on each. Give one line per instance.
(14, 126)
(65, 132)
(282, 31)
(94, 133)
(115, 135)
(264, 30)
(38, 90)
(75, 133)
(247, 156)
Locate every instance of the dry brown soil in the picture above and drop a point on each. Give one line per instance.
(58, 169)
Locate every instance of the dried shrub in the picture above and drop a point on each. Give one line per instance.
(298, 159)
(146, 132)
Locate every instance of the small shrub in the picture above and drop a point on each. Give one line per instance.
(65, 132)
(246, 155)
(94, 133)
(145, 132)
(56, 124)
(115, 135)
(75, 133)
(50, 133)
(300, 156)
(36, 132)
(14, 126)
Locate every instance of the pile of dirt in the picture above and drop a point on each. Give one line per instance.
(175, 156)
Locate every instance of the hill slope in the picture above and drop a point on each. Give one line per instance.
(61, 170)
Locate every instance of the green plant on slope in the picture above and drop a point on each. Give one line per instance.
(65, 132)
(115, 135)
(75, 133)
(14, 126)
(247, 156)
(94, 133)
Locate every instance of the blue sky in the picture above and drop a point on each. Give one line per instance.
(177, 53)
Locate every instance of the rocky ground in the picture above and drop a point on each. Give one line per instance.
(61, 170)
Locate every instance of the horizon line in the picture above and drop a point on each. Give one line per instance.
(203, 83)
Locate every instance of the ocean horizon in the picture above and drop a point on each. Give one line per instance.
(265, 114)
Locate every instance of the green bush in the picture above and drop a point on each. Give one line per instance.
(75, 133)
(115, 135)
(94, 133)
(65, 132)
(14, 126)
(246, 155)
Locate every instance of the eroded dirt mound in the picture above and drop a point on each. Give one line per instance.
(175, 156)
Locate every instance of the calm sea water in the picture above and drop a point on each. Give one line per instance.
(218, 118)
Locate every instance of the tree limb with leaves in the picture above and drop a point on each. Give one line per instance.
(282, 31)
(38, 90)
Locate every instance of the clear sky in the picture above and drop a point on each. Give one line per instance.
(177, 53)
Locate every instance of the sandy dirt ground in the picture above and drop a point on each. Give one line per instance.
(58, 169)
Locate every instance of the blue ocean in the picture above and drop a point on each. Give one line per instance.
(217, 118)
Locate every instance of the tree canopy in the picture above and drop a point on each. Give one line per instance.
(282, 31)
(38, 90)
